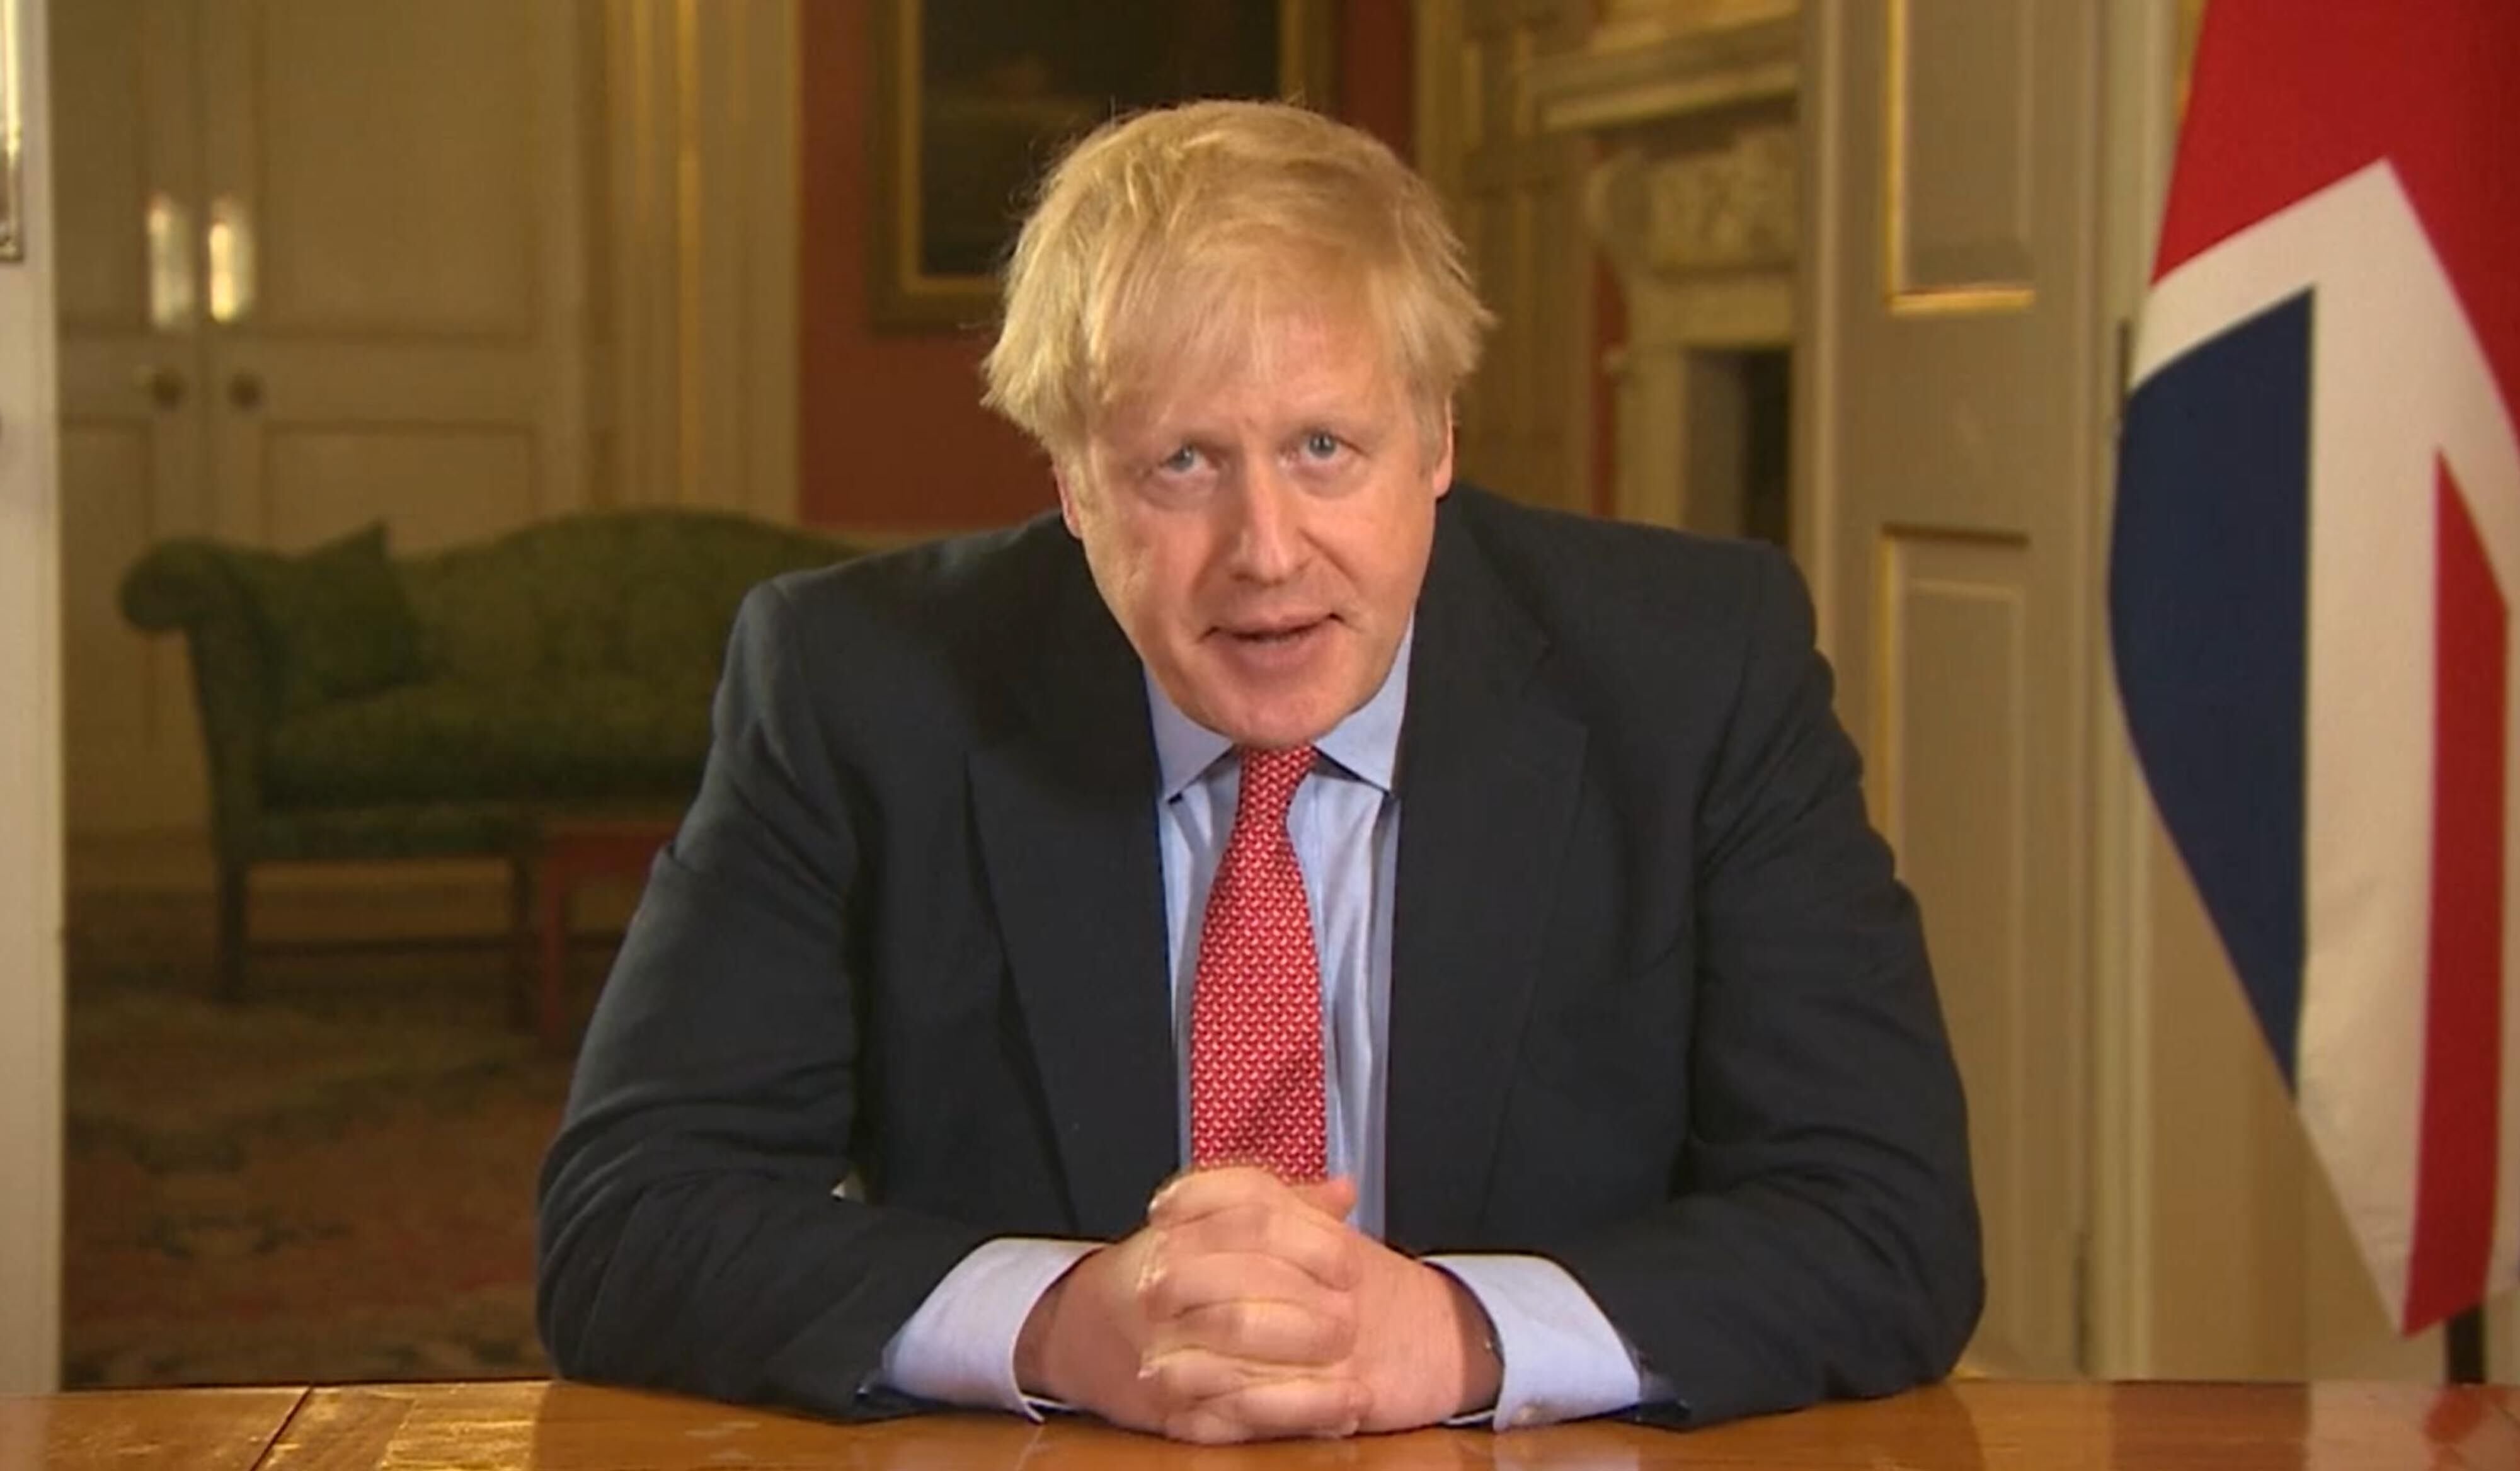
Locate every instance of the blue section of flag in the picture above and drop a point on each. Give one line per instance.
(2208, 604)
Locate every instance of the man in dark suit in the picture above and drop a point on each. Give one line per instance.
(1289, 946)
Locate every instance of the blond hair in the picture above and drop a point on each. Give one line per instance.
(1162, 242)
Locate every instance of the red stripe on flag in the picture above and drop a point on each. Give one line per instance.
(2455, 1178)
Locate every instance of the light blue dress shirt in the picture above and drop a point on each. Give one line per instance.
(1563, 1358)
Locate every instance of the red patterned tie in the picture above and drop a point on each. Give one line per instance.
(1255, 1020)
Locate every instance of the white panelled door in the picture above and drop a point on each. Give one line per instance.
(324, 264)
(1949, 444)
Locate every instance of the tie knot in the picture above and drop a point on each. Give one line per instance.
(1269, 780)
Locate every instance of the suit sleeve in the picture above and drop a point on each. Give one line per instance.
(690, 1235)
(1822, 1236)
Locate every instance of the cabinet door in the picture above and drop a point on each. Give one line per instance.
(395, 284)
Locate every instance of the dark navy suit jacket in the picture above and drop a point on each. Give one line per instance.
(1660, 1012)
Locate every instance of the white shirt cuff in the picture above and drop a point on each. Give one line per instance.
(1563, 1358)
(960, 1347)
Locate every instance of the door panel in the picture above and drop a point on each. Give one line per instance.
(387, 164)
(1956, 777)
(125, 114)
(1963, 138)
(100, 50)
(383, 174)
(437, 485)
(1949, 436)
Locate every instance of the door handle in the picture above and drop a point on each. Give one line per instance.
(163, 386)
(245, 390)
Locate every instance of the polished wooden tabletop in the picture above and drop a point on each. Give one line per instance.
(566, 1427)
(211, 1429)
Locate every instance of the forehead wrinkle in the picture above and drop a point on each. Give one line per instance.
(1297, 369)
(1203, 315)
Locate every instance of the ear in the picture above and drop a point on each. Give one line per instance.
(1441, 471)
(1068, 510)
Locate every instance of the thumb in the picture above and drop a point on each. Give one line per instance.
(1333, 1197)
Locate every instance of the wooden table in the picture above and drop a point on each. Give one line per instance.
(566, 1427)
(209, 1429)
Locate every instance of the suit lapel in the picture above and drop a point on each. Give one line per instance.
(1488, 783)
(1065, 811)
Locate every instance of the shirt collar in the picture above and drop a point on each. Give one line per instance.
(1366, 744)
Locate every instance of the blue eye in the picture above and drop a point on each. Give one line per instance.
(1180, 461)
(1321, 444)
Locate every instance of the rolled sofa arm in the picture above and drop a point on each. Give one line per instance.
(180, 584)
(189, 585)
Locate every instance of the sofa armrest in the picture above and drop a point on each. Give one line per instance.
(189, 586)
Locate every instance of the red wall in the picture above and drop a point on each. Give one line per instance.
(891, 431)
(892, 435)
(1378, 86)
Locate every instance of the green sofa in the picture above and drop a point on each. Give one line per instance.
(357, 705)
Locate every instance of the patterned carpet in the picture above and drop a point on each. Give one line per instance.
(333, 1181)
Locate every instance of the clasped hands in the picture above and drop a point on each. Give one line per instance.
(1248, 1309)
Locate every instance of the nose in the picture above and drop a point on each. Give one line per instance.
(1268, 534)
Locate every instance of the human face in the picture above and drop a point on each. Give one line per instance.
(1261, 535)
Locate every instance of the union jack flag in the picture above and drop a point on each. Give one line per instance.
(2318, 544)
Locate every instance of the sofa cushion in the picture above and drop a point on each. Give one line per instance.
(332, 622)
(647, 593)
(588, 739)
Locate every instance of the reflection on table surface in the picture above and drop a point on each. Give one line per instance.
(566, 1427)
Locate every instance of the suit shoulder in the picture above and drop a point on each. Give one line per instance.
(1569, 567)
(972, 582)
(935, 638)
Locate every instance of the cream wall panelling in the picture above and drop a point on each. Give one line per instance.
(31, 754)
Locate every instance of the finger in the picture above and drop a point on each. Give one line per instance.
(1197, 1192)
(1324, 1249)
(1333, 1197)
(1209, 1398)
(1200, 1300)
(1190, 1278)
(1297, 1330)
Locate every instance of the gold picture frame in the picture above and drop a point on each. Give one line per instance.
(972, 98)
(13, 139)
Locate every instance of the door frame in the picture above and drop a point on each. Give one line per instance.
(30, 761)
(2139, 133)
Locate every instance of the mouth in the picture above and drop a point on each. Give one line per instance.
(1272, 632)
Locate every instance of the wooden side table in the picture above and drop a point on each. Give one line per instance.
(567, 852)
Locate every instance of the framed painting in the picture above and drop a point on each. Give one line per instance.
(974, 99)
